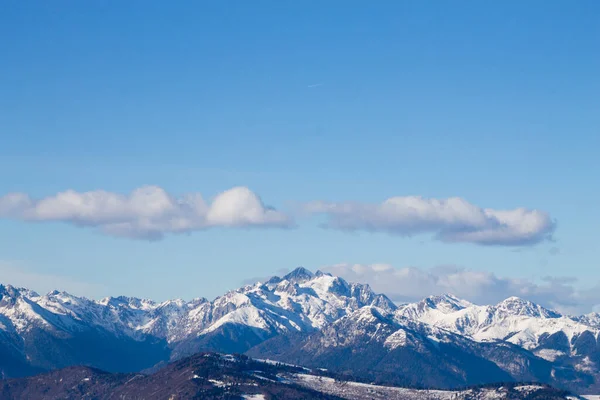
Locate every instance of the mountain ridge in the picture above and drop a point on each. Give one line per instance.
(303, 316)
(222, 376)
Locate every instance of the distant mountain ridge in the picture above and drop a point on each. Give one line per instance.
(219, 376)
(307, 318)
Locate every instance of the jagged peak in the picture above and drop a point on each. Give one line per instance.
(172, 303)
(592, 319)
(340, 287)
(14, 292)
(514, 301)
(273, 280)
(60, 296)
(593, 315)
(299, 274)
(125, 301)
(198, 300)
(517, 306)
(445, 302)
(384, 302)
(369, 313)
(450, 298)
(287, 286)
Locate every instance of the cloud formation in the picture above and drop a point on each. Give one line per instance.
(480, 287)
(148, 212)
(450, 220)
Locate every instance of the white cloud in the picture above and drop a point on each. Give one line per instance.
(480, 287)
(451, 220)
(146, 213)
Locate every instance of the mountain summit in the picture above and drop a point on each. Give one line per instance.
(48, 331)
(299, 275)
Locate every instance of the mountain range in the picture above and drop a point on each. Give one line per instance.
(311, 319)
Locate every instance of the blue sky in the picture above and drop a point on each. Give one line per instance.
(300, 102)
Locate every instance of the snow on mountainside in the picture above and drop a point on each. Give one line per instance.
(300, 301)
(378, 345)
(592, 319)
(309, 317)
(221, 376)
(514, 320)
(359, 391)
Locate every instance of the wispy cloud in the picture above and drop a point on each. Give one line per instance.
(450, 220)
(480, 287)
(315, 85)
(148, 212)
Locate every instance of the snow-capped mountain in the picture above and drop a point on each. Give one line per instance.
(305, 317)
(299, 302)
(513, 320)
(592, 319)
(382, 346)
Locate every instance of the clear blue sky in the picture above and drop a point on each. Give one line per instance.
(497, 103)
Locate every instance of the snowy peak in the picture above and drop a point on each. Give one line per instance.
(513, 320)
(320, 273)
(340, 287)
(9, 291)
(433, 307)
(124, 301)
(299, 302)
(519, 307)
(365, 325)
(371, 314)
(446, 303)
(591, 319)
(299, 275)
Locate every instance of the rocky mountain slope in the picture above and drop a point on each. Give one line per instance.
(313, 319)
(215, 376)
(57, 329)
(514, 320)
(571, 344)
